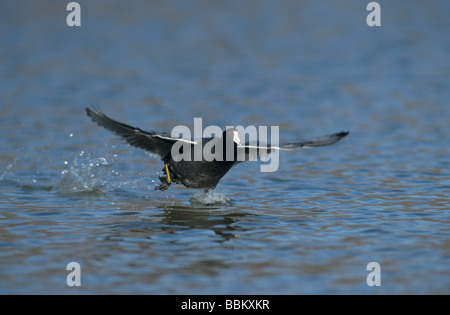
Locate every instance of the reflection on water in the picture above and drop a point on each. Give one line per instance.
(71, 191)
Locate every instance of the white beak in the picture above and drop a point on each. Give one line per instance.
(236, 137)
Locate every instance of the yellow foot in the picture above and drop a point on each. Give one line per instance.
(165, 181)
(163, 187)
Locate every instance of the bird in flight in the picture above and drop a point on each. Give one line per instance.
(200, 174)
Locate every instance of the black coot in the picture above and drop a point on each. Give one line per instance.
(205, 173)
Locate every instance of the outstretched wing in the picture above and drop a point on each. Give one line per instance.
(251, 150)
(156, 142)
(319, 142)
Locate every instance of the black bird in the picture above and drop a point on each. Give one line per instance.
(204, 173)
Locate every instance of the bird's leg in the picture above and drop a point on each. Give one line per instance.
(164, 180)
(167, 172)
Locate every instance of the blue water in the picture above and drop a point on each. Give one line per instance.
(70, 191)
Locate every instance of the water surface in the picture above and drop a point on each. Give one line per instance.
(70, 191)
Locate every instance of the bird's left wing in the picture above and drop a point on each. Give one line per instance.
(250, 150)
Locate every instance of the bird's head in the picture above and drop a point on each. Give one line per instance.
(232, 134)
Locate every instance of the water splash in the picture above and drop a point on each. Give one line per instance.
(94, 174)
(91, 174)
(209, 198)
(85, 175)
(8, 168)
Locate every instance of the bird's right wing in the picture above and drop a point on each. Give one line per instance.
(156, 142)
